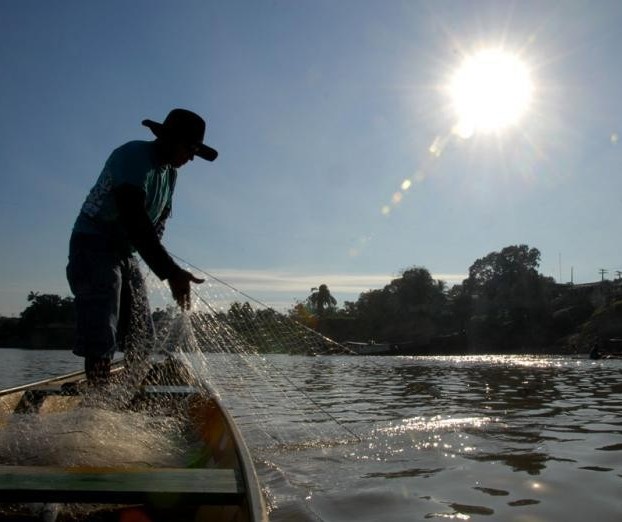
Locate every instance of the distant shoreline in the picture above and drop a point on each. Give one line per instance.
(44, 348)
(424, 353)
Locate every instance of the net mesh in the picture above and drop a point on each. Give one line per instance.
(235, 344)
(230, 345)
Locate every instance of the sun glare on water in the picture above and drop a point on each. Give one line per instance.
(490, 91)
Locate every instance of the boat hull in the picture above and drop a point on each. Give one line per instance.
(219, 484)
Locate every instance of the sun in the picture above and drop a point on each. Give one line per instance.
(490, 91)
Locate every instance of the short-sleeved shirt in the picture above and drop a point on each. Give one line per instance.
(134, 163)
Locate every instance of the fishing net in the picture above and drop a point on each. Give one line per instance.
(247, 353)
(228, 344)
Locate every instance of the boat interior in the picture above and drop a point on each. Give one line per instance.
(215, 479)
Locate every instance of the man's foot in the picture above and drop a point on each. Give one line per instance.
(97, 371)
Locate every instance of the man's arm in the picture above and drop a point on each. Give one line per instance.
(130, 202)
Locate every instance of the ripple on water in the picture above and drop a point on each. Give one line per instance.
(612, 447)
(523, 502)
(493, 492)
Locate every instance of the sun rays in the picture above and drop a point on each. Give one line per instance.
(489, 97)
(490, 91)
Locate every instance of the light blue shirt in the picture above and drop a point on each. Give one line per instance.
(133, 163)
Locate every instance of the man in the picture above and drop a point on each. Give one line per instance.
(125, 212)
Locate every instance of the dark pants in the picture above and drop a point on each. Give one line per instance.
(112, 307)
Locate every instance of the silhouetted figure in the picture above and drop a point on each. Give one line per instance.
(602, 350)
(125, 212)
(595, 352)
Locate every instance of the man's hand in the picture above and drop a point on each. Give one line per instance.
(179, 283)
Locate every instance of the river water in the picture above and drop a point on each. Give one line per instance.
(503, 438)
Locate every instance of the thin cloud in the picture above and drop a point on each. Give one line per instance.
(288, 282)
(276, 288)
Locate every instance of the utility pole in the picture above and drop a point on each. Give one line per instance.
(618, 274)
(602, 273)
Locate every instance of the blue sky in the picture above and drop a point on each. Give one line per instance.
(320, 111)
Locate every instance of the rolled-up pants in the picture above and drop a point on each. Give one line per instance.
(112, 307)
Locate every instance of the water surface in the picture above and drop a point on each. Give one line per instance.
(498, 438)
(522, 439)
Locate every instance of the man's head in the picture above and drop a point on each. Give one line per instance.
(182, 134)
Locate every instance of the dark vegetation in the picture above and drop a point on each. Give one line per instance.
(47, 322)
(504, 305)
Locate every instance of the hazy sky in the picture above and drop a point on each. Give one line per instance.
(324, 112)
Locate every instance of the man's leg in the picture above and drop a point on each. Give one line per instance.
(94, 276)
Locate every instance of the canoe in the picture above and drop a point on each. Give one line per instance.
(219, 484)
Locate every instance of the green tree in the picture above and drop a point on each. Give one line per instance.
(503, 268)
(321, 301)
(410, 307)
(460, 308)
(417, 301)
(45, 309)
(373, 314)
(415, 291)
(303, 315)
(510, 298)
(241, 316)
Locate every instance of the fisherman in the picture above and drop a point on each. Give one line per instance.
(125, 212)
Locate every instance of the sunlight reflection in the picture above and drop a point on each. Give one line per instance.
(451, 516)
(535, 361)
(436, 423)
(538, 486)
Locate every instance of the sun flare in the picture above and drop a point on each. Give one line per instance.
(490, 91)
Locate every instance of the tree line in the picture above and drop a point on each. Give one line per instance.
(47, 322)
(504, 304)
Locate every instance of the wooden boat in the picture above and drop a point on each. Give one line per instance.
(220, 485)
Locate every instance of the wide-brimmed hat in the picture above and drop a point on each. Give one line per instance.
(184, 126)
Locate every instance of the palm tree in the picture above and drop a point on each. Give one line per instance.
(321, 300)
